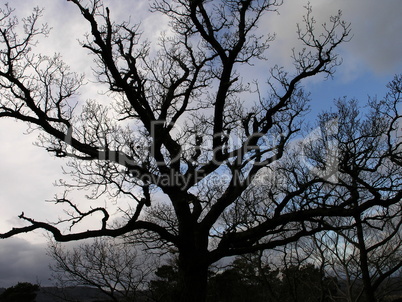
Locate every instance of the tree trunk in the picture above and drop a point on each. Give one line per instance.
(364, 266)
(193, 278)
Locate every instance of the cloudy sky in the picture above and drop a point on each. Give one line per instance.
(27, 173)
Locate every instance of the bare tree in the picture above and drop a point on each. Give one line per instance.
(339, 261)
(118, 270)
(341, 257)
(189, 121)
(366, 244)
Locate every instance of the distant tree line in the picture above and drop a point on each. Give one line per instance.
(249, 278)
(326, 267)
(244, 281)
(21, 292)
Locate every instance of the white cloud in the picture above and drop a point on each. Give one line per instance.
(26, 175)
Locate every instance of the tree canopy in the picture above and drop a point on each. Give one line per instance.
(22, 292)
(181, 123)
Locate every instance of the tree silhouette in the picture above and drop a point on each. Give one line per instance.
(368, 243)
(246, 279)
(183, 124)
(118, 270)
(249, 278)
(165, 286)
(22, 292)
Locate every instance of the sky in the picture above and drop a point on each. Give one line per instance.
(27, 173)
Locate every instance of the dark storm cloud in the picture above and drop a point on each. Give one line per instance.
(22, 261)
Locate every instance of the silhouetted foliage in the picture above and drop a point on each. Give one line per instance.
(22, 292)
(244, 281)
(305, 283)
(165, 286)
